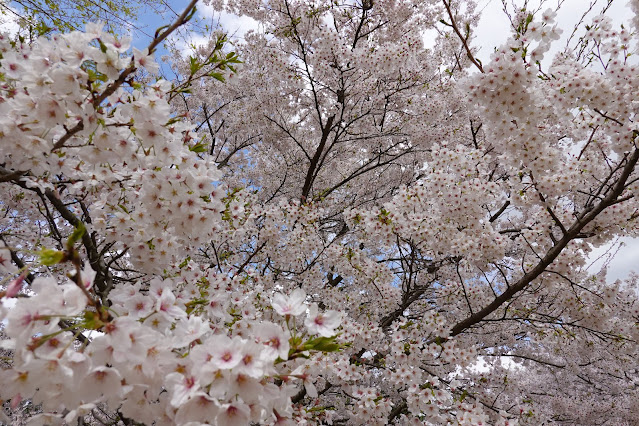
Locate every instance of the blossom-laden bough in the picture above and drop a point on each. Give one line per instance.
(350, 228)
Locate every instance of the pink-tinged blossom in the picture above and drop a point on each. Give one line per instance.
(233, 414)
(275, 339)
(110, 64)
(252, 363)
(88, 276)
(248, 387)
(220, 384)
(18, 382)
(75, 300)
(201, 357)
(94, 29)
(217, 307)
(12, 66)
(101, 381)
(54, 347)
(322, 323)
(302, 372)
(119, 332)
(121, 294)
(226, 352)
(26, 318)
(166, 306)
(549, 16)
(189, 330)
(138, 305)
(181, 387)
(292, 305)
(199, 408)
(138, 406)
(15, 286)
(121, 44)
(157, 287)
(143, 59)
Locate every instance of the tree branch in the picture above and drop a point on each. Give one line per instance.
(115, 85)
(463, 39)
(582, 220)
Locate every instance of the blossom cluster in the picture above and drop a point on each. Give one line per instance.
(165, 355)
(189, 348)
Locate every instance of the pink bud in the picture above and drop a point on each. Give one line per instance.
(15, 401)
(16, 285)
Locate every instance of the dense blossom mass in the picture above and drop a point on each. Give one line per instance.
(332, 224)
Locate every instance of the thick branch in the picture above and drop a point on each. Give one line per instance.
(499, 212)
(582, 220)
(308, 182)
(103, 280)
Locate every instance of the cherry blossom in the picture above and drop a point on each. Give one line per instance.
(292, 305)
(349, 228)
(322, 323)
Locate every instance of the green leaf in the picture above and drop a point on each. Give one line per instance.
(49, 257)
(190, 16)
(217, 76)
(198, 147)
(92, 320)
(77, 234)
(159, 31)
(322, 344)
(185, 262)
(103, 47)
(194, 64)
(193, 304)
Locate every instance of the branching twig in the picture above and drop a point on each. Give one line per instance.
(463, 39)
(124, 75)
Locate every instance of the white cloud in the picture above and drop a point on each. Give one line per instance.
(620, 257)
(9, 20)
(234, 26)
(494, 27)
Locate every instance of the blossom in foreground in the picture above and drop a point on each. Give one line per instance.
(322, 323)
(292, 305)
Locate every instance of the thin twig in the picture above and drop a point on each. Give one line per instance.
(463, 39)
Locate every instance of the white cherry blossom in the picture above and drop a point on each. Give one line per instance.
(292, 305)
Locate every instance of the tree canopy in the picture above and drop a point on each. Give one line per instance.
(326, 222)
